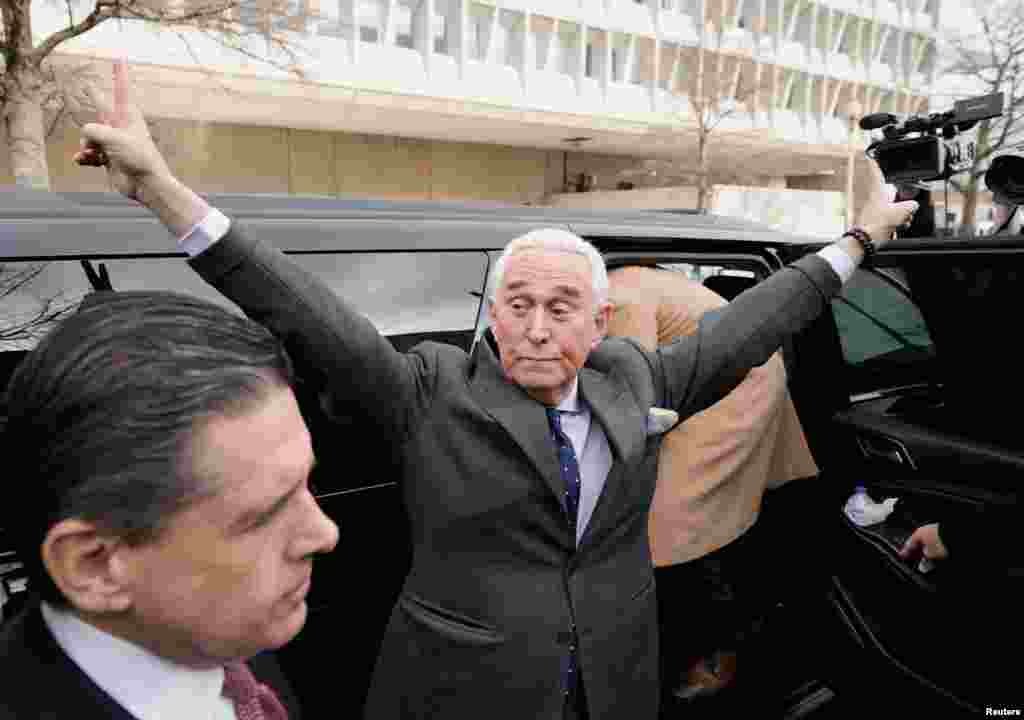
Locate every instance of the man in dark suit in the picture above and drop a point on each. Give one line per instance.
(529, 465)
(162, 512)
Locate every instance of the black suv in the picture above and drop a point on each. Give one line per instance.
(907, 387)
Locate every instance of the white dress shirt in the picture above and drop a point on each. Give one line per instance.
(147, 686)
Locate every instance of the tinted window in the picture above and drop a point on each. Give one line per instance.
(883, 334)
(403, 293)
(410, 297)
(32, 295)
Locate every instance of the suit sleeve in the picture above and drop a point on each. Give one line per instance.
(329, 342)
(701, 369)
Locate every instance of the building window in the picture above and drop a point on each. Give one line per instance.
(568, 38)
(369, 18)
(440, 32)
(273, 15)
(480, 17)
(618, 64)
(403, 27)
(445, 27)
(512, 37)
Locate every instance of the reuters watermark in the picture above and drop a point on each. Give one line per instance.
(1002, 712)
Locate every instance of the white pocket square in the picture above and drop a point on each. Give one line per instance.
(660, 420)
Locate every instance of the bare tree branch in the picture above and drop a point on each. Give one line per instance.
(94, 18)
(32, 324)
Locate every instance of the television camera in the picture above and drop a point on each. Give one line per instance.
(923, 148)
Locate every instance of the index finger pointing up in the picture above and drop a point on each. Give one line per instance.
(122, 114)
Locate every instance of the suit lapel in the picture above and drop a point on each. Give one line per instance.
(521, 416)
(611, 406)
(623, 424)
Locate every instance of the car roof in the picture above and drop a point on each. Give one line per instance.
(105, 224)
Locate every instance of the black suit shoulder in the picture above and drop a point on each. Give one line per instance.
(43, 683)
(38, 681)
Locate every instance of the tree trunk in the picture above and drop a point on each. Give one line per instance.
(970, 193)
(25, 124)
(703, 185)
(970, 197)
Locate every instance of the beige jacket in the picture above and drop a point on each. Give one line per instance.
(715, 466)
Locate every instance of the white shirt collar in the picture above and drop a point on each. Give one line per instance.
(148, 686)
(571, 402)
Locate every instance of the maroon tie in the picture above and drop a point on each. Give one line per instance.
(252, 699)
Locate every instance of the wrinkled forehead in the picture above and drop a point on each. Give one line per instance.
(547, 268)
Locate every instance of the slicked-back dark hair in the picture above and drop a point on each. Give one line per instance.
(101, 414)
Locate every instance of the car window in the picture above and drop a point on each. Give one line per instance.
(406, 293)
(408, 296)
(884, 337)
(401, 293)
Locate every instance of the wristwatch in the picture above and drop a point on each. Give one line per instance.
(862, 237)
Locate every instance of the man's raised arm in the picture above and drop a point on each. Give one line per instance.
(702, 369)
(325, 337)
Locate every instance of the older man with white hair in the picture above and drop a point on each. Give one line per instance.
(528, 465)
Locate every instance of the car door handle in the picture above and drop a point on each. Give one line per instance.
(886, 448)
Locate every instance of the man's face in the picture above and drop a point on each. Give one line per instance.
(546, 322)
(229, 575)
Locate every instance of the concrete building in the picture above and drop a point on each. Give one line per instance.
(517, 100)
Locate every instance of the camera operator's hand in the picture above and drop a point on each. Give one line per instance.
(926, 543)
(881, 217)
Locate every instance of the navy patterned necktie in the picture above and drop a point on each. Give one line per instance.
(568, 465)
(570, 470)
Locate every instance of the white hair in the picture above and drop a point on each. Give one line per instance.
(555, 240)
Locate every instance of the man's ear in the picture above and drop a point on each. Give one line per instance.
(601, 318)
(84, 564)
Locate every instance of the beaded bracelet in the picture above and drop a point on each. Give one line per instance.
(861, 236)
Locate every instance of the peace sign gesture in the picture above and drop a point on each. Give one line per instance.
(120, 141)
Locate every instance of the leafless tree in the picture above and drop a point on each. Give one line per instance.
(35, 90)
(26, 326)
(720, 87)
(991, 61)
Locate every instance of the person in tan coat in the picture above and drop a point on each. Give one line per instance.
(714, 469)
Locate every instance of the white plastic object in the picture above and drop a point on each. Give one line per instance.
(863, 511)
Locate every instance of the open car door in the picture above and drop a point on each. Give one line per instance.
(910, 386)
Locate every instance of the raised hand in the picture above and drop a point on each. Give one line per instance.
(881, 217)
(120, 141)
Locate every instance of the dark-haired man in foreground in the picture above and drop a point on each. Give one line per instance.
(163, 513)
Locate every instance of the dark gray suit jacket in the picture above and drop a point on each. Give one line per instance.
(486, 614)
